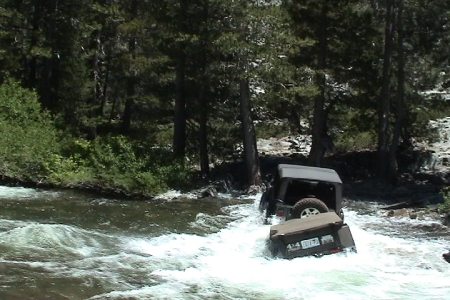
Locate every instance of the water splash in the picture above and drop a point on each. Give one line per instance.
(222, 255)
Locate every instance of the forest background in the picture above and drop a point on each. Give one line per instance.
(142, 96)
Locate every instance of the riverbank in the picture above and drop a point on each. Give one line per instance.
(97, 188)
(417, 195)
(417, 185)
(424, 171)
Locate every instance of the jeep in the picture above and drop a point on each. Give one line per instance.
(309, 201)
(301, 191)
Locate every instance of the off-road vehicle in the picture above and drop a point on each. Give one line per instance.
(309, 199)
(300, 191)
(317, 235)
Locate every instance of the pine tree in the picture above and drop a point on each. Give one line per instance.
(326, 33)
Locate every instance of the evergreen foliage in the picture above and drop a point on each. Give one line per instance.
(104, 90)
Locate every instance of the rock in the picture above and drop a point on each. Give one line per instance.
(446, 219)
(399, 213)
(254, 189)
(446, 256)
(208, 192)
(423, 169)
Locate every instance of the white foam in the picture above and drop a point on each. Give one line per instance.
(234, 261)
(227, 258)
(174, 194)
(21, 193)
(16, 192)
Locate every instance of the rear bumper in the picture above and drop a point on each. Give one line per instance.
(322, 240)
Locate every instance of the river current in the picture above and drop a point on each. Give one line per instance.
(69, 245)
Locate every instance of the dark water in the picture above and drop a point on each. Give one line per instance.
(66, 245)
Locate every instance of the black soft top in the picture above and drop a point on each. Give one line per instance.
(310, 173)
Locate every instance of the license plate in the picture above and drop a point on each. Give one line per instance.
(310, 243)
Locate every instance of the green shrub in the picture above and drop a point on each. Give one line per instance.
(357, 141)
(115, 162)
(31, 149)
(28, 136)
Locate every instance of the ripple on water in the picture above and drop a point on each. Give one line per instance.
(224, 258)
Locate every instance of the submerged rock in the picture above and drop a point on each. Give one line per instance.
(446, 256)
(208, 192)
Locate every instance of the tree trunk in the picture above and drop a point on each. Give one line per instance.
(319, 127)
(393, 166)
(179, 127)
(204, 91)
(104, 91)
(128, 110)
(31, 63)
(249, 137)
(384, 112)
(94, 100)
(48, 84)
(203, 132)
(131, 80)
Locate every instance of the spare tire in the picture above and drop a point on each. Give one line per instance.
(307, 207)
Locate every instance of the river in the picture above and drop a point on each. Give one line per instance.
(69, 245)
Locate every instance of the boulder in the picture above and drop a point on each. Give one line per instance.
(446, 256)
(399, 213)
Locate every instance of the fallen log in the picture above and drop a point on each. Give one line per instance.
(398, 205)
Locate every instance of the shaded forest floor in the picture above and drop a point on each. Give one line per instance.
(358, 172)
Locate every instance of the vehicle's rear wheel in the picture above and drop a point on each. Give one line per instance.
(307, 207)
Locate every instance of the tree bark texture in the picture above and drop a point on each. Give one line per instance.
(249, 137)
(180, 115)
(204, 92)
(131, 80)
(393, 165)
(384, 108)
(94, 101)
(49, 82)
(319, 128)
(203, 132)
